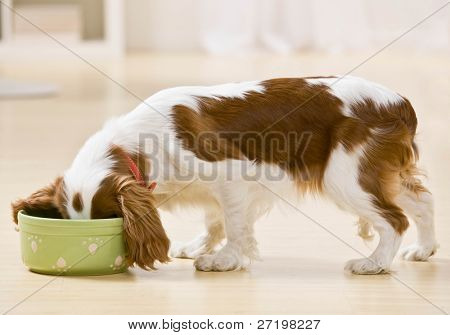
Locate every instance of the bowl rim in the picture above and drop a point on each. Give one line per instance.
(62, 223)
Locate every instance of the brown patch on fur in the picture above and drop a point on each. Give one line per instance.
(199, 134)
(104, 203)
(120, 195)
(351, 132)
(77, 202)
(48, 202)
(300, 142)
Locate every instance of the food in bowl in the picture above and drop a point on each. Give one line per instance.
(72, 247)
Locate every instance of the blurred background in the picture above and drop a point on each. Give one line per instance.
(209, 34)
(114, 30)
(114, 27)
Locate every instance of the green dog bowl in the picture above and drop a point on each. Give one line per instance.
(72, 247)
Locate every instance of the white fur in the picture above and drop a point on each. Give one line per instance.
(341, 181)
(351, 89)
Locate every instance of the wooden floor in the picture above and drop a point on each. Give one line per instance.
(302, 267)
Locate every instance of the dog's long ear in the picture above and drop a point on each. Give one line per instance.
(46, 202)
(145, 237)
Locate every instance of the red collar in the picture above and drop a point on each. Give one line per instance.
(137, 174)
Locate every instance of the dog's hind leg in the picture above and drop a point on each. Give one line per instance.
(385, 219)
(364, 194)
(206, 242)
(417, 202)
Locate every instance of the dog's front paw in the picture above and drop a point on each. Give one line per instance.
(416, 252)
(365, 266)
(186, 250)
(221, 261)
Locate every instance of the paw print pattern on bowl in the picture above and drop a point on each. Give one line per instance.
(118, 263)
(34, 242)
(92, 244)
(61, 265)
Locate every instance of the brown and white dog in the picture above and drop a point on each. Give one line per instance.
(234, 149)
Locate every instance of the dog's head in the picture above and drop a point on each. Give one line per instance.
(100, 193)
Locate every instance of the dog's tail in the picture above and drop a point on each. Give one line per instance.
(391, 152)
(408, 119)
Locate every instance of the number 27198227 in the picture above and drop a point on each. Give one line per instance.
(288, 324)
